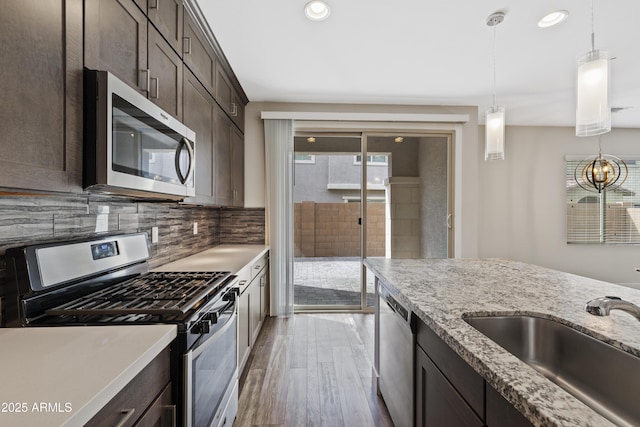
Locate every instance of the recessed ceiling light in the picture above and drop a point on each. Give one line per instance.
(317, 10)
(399, 139)
(553, 18)
(311, 139)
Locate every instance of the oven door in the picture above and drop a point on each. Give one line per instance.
(211, 374)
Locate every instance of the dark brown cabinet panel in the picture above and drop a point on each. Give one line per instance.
(130, 403)
(437, 402)
(228, 98)
(41, 85)
(167, 17)
(116, 40)
(198, 54)
(501, 413)
(237, 167)
(199, 107)
(165, 75)
(222, 159)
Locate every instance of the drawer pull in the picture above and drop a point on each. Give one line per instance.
(127, 414)
(257, 267)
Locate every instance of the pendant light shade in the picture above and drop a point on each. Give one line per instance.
(593, 113)
(494, 133)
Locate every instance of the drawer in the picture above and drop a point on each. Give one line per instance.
(258, 266)
(244, 278)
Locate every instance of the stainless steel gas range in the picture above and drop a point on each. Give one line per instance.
(105, 281)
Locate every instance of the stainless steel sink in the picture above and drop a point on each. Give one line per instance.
(603, 377)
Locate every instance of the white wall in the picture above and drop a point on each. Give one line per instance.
(522, 207)
(467, 154)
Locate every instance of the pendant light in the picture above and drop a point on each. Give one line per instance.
(602, 172)
(494, 116)
(593, 114)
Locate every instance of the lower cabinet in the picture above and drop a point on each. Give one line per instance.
(252, 307)
(145, 401)
(449, 392)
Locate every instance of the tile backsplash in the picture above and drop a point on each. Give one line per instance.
(33, 219)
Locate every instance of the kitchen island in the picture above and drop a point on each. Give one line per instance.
(63, 376)
(442, 293)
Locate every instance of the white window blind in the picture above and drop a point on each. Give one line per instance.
(612, 216)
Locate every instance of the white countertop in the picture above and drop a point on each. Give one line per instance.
(220, 258)
(71, 372)
(442, 292)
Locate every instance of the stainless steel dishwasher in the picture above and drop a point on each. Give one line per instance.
(395, 348)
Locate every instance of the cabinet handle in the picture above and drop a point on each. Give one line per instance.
(156, 85)
(128, 413)
(234, 109)
(186, 45)
(172, 408)
(257, 267)
(146, 80)
(154, 5)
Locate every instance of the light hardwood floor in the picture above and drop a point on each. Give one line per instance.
(312, 370)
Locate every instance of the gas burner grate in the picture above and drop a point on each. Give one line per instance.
(151, 293)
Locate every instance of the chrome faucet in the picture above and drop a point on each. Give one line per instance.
(602, 306)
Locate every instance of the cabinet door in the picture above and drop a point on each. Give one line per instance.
(224, 91)
(116, 40)
(198, 115)
(41, 86)
(222, 159)
(237, 167)
(198, 54)
(437, 402)
(264, 303)
(167, 17)
(165, 75)
(255, 309)
(244, 329)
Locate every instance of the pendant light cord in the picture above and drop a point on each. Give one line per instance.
(494, 65)
(593, 31)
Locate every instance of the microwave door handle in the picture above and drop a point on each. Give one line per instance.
(184, 142)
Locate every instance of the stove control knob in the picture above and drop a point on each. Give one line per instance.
(202, 327)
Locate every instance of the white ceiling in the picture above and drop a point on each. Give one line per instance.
(430, 52)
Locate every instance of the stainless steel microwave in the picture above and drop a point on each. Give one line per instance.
(131, 146)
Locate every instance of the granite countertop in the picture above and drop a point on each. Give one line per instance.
(63, 376)
(220, 258)
(442, 292)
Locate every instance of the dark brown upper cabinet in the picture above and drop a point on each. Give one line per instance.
(228, 98)
(198, 54)
(165, 75)
(199, 115)
(115, 40)
(222, 158)
(167, 17)
(41, 85)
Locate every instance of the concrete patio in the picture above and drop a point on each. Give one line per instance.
(332, 281)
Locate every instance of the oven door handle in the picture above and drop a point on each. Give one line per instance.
(188, 364)
(215, 336)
